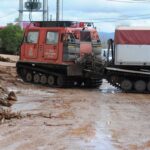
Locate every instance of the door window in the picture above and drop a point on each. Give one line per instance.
(52, 38)
(32, 37)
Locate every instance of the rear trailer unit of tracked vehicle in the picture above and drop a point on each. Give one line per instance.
(129, 68)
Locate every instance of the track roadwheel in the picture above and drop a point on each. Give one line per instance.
(87, 83)
(36, 78)
(43, 79)
(79, 83)
(140, 86)
(60, 81)
(51, 80)
(148, 86)
(23, 73)
(126, 85)
(29, 77)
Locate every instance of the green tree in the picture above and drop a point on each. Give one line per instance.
(11, 37)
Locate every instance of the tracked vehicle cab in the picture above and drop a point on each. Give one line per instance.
(53, 48)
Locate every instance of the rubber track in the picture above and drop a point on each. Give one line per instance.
(129, 76)
(68, 81)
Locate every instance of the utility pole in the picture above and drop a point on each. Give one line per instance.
(20, 12)
(45, 10)
(33, 6)
(62, 9)
(57, 10)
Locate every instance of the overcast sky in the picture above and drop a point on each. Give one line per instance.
(106, 14)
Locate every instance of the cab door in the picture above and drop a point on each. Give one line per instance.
(51, 47)
(31, 45)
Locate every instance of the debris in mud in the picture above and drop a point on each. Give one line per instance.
(56, 125)
(9, 100)
(5, 103)
(5, 59)
(8, 115)
(65, 115)
(3, 91)
(39, 115)
(84, 131)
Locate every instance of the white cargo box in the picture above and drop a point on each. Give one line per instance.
(132, 46)
(137, 55)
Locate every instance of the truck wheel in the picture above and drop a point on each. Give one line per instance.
(51, 80)
(60, 81)
(148, 86)
(79, 83)
(29, 77)
(87, 83)
(126, 85)
(140, 86)
(36, 78)
(43, 79)
(23, 73)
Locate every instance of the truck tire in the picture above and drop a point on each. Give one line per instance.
(126, 85)
(60, 81)
(36, 78)
(43, 79)
(29, 77)
(148, 86)
(51, 80)
(140, 86)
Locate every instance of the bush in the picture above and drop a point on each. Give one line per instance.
(11, 37)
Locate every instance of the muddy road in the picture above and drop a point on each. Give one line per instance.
(74, 119)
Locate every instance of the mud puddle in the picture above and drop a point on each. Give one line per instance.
(107, 88)
(30, 99)
(102, 142)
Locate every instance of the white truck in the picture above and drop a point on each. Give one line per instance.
(129, 68)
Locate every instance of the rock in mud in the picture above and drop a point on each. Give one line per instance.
(12, 96)
(7, 99)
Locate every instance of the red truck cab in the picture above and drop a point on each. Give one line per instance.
(50, 50)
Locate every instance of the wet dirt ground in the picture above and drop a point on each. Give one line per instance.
(74, 119)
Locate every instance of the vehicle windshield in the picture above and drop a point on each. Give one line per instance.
(85, 36)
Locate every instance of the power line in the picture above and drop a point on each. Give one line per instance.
(130, 1)
(9, 14)
(115, 19)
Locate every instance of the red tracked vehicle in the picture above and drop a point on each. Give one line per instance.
(51, 53)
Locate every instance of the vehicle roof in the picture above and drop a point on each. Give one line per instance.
(132, 36)
(132, 28)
